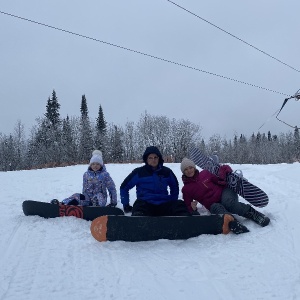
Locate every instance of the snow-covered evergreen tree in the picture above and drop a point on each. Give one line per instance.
(86, 143)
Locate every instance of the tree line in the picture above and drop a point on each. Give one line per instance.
(54, 141)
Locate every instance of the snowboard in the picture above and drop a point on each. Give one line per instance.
(235, 181)
(138, 228)
(48, 210)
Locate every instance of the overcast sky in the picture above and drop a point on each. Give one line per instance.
(35, 60)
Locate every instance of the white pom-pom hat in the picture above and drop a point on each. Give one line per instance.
(97, 157)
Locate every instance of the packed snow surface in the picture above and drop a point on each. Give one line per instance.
(59, 259)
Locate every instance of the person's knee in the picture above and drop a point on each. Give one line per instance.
(229, 198)
(217, 208)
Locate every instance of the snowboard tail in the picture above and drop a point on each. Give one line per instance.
(137, 229)
(240, 185)
(48, 210)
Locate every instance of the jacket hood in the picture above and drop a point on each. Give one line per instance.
(154, 150)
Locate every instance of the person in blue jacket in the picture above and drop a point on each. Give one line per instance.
(157, 188)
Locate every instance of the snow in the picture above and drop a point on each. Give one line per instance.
(59, 259)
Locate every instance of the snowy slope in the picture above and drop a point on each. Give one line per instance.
(59, 259)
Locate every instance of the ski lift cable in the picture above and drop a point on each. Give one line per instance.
(234, 36)
(145, 54)
(268, 119)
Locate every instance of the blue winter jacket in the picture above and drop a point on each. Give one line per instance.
(151, 185)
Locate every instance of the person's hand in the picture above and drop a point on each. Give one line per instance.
(127, 208)
(194, 205)
(111, 205)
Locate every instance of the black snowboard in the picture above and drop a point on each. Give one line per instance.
(48, 210)
(136, 229)
(240, 185)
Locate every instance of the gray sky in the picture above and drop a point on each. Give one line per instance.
(35, 60)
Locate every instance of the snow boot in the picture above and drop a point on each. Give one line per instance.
(257, 217)
(236, 227)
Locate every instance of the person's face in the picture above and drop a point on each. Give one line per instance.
(152, 160)
(95, 167)
(189, 171)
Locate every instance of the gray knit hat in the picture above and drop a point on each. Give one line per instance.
(186, 163)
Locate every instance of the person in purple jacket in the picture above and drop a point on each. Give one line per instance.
(210, 190)
(96, 183)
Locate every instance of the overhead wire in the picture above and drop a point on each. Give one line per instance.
(234, 36)
(142, 53)
(277, 112)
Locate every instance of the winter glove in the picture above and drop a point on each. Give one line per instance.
(111, 205)
(54, 201)
(127, 208)
(224, 169)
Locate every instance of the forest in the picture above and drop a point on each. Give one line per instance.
(54, 141)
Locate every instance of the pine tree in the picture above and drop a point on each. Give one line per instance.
(269, 136)
(83, 108)
(39, 144)
(51, 130)
(100, 122)
(116, 143)
(21, 147)
(86, 143)
(101, 131)
(52, 109)
(8, 153)
(129, 142)
(68, 144)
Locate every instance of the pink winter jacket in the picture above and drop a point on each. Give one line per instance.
(204, 187)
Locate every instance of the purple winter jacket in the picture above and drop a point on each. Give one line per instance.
(95, 187)
(204, 187)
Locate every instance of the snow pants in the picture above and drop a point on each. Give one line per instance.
(170, 208)
(230, 204)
